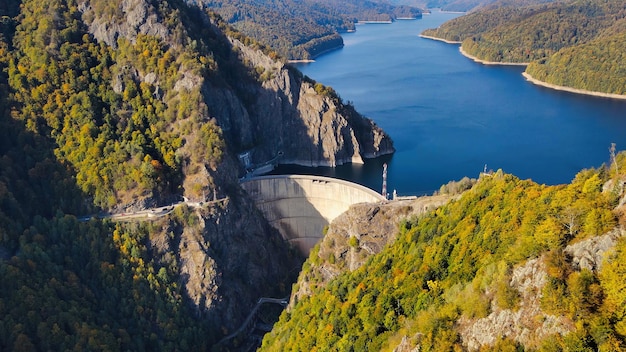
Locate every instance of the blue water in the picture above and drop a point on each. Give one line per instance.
(449, 116)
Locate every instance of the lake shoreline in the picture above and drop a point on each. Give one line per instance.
(528, 77)
(308, 61)
(490, 63)
(535, 81)
(438, 39)
(449, 116)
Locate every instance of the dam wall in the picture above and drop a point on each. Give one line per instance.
(300, 206)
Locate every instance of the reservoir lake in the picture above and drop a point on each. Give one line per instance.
(449, 116)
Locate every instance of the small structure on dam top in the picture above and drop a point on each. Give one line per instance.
(300, 206)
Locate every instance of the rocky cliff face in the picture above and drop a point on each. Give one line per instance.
(227, 259)
(365, 229)
(286, 116)
(230, 256)
(359, 233)
(274, 111)
(527, 323)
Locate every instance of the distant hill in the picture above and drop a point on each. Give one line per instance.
(534, 33)
(464, 5)
(597, 66)
(304, 29)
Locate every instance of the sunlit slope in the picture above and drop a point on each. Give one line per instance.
(506, 266)
(586, 34)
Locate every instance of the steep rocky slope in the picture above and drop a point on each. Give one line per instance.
(261, 106)
(307, 124)
(143, 104)
(359, 233)
(281, 113)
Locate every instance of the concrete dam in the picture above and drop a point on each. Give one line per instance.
(300, 206)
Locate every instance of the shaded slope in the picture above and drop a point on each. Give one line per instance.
(598, 66)
(126, 105)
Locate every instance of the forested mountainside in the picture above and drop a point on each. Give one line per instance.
(304, 29)
(579, 31)
(126, 105)
(509, 265)
(597, 66)
(464, 5)
(451, 5)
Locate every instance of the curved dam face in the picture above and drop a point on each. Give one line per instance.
(300, 206)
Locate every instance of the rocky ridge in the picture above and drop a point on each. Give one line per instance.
(366, 228)
(527, 324)
(291, 117)
(231, 255)
(359, 233)
(284, 114)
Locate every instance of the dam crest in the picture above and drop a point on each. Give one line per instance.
(300, 206)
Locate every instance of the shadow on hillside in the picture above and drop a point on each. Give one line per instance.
(240, 247)
(285, 207)
(288, 208)
(33, 183)
(267, 119)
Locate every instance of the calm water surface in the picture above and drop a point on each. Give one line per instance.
(449, 116)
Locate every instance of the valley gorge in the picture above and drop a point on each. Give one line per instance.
(180, 96)
(117, 107)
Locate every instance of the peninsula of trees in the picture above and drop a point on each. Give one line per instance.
(577, 44)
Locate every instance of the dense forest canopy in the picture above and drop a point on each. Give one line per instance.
(599, 66)
(85, 127)
(464, 264)
(464, 5)
(580, 29)
(303, 30)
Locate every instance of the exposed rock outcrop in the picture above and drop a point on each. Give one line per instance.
(527, 325)
(231, 255)
(406, 346)
(282, 115)
(590, 253)
(226, 260)
(138, 18)
(287, 115)
(362, 231)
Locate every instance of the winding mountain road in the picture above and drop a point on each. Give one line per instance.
(149, 214)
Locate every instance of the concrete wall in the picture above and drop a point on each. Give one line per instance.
(300, 206)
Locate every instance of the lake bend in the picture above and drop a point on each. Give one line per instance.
(450, 116)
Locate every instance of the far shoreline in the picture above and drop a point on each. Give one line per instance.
(528, 77)
(491, 63)
(439, 39)
(308, 61)
(537, 82)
